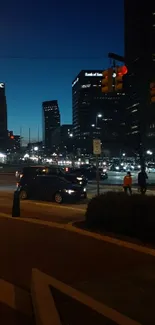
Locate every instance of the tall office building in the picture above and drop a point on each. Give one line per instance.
(140, 56)
(3, 118)
(51, 125)
(94, 114)
(67, 139)
(140, 30)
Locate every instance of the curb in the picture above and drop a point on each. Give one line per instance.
(69, 227)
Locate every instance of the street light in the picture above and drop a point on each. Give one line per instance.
(99, 115)
(149, 152)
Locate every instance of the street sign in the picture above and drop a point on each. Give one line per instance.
(97, 147)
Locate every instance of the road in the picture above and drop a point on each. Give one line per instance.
(43, 210)
(46, 210)
(118, 277)
(114, 178)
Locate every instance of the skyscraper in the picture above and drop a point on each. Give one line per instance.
(140, 56)
(3, 118)
(140, 30)
(51, 125)
(95, 114)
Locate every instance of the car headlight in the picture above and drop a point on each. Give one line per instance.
(69, 191)
(79, 178)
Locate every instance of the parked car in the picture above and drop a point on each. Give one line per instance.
(33, 171)
(50, 187)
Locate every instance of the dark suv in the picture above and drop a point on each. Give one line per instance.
(48, 187)
(33, 171)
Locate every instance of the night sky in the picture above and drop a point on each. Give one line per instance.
(45, 44)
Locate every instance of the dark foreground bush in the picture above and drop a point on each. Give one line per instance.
(116, 212)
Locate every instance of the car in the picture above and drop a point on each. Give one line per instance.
(89, 172)
(50, 188)
(32, 171)
(150, 168)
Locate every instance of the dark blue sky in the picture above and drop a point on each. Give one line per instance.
(74, 35)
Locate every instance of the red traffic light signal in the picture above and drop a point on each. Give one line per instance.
(120, 72)
(107, 81)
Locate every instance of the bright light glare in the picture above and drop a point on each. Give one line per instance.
(93, 125)
(71, 135)
(2, 155)
(99, 115)
(149, 152)
(69, 191)
(36, 148)
(26, 156)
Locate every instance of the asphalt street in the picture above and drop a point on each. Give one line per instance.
(43, 210)
(118, 277)
(114, 178)
(50, 211)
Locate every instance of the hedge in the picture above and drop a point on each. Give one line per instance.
(120, 213)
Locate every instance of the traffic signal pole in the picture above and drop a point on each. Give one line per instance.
(142, 106)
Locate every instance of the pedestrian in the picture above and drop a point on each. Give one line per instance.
(127, 183)
(142, 183)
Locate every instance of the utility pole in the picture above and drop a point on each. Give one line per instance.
(29, 141)
(38, 135)
(20, 138)
(38, 143)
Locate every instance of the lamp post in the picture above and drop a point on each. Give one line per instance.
(99, 115)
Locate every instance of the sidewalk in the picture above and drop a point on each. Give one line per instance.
(119, 277)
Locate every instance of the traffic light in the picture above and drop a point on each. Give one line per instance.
(107, 81)
(120, 72)
(152, 92)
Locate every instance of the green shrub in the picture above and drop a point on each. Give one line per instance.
(116, 212)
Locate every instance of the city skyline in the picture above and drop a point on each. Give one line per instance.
(35, 70)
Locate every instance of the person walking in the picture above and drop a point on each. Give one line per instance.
(142, 183)
(127, 183)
